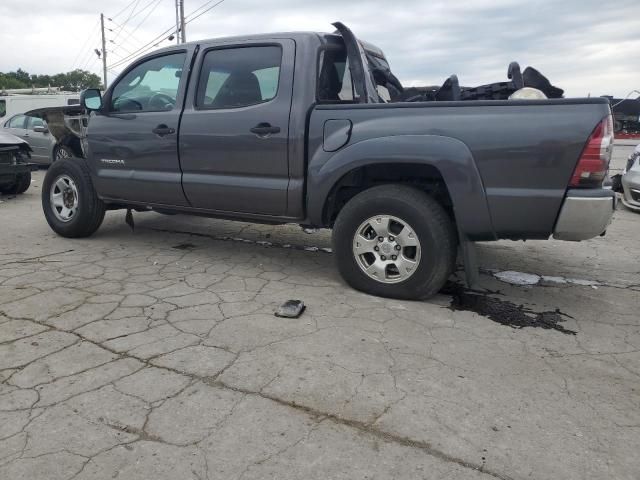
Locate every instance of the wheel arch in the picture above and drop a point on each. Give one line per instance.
(70, 142)
(433, 157)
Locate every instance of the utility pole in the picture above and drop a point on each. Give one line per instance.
(183, 37)
(177, 23)
(104, 52)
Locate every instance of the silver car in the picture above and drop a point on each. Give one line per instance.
(36, 133)
(631, 182)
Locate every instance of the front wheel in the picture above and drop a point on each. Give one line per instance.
(69, 201)
(395, 241)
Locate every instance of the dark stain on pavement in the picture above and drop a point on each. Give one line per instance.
(184, 246)
(503, 311)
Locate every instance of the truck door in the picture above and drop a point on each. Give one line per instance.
(133, 140)
(235, 128)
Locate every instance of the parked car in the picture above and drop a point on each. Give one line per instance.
(630, 182)
(15, 170)
(282, 128)
(35, 131)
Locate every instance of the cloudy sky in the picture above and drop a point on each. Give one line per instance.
(584, 46)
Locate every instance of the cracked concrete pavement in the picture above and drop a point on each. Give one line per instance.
(155, 354)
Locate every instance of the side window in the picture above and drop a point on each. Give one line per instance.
(17, 121)
(33, 122)
(334, 77)
(3, 108)
(151, 86)
(239, 77)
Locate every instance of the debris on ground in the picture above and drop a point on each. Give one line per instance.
(128, 218)
(184, 246)
(291, 309)
(521, 278)
(517, 278)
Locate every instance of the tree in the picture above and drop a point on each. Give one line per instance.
(77, 80)
(73, 81)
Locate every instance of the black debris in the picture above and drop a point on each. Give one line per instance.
(290, 309)
(184, 246)
(128, 218)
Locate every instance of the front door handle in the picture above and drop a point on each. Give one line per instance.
(162, 130)
(264, 129)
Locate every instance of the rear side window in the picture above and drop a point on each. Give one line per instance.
(334, 77)
(35, 122)
(3, 108)
(239, 77)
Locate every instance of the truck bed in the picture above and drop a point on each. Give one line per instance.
(521, 154)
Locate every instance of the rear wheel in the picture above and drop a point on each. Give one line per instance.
(69, 201)
(395, 241)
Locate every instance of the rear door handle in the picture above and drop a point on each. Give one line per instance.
(162, 130)
(264, 129)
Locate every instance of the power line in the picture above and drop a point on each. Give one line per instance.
(135, 39)
(124, 9)
(120, 46)
(148, 46)
(124, 24)
(88, 57)
(158, 39)
(202, 13)
(153, 9)
(84, 45)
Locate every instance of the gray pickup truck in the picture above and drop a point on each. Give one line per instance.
(309, 128)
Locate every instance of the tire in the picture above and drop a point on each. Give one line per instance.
(69, 181)
(423, 255)
(61, 152)
(23, 182)
(18, 185)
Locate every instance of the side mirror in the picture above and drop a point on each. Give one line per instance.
(91, 99)
(41, 129)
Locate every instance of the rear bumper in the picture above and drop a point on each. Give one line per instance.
(585, 214)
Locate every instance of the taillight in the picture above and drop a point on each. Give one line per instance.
(594, 161)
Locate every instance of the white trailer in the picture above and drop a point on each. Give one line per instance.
(11, 105)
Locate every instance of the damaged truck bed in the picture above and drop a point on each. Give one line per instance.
(68, 125)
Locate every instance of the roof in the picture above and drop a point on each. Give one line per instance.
(324, 37)
(258, 36)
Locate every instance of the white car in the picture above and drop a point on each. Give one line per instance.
(631, 182)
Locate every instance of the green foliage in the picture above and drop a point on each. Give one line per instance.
(71, 81)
